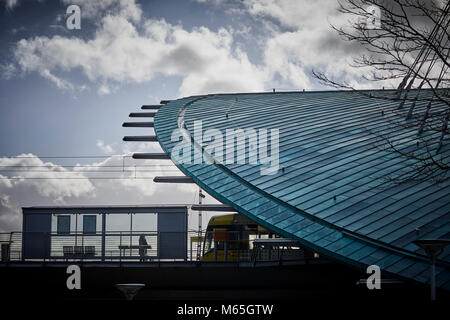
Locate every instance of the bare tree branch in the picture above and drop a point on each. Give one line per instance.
(410, 46)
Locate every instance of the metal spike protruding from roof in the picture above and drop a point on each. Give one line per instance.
(142, 114)
(138, 124)
(151, 156)
(151, 106)
(140, 138)
(173, 179)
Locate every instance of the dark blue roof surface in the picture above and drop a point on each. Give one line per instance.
(335, 193)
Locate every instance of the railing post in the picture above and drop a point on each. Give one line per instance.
(120, 250)
(9, 247)
(186, 237)
(44, 247)
(158, 241)
(131, 233)
(225, 251)
(82, 247)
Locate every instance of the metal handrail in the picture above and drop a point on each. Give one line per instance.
(79, 246)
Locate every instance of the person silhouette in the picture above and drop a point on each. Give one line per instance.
(142, 251)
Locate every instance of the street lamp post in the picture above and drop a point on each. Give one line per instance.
(432, 247)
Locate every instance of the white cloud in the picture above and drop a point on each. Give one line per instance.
(43, 185)
(89, 188)
(60, 83)
(37, 169)
(299, 38)
(309, 44)
(106, 148)
(103, 90)
(127, 9)
(215, 2)
(118, 53)
(206, 61)
(128, 48)
(7, 71)
(106, 88)
(294, 13)
(9, 212)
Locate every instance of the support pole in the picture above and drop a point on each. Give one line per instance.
(199, 234)
(432, 247)
(215, 250)
(131, 233)
(225, 251)
(76, 229)
(433, 276)
(103, 235)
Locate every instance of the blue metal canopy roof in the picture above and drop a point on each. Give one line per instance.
(334, 192)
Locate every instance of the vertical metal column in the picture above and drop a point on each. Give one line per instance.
(76, 229)
(215, 250)
(225, 251)
(433, 276)
(199, 234)
(432, 247)
(131, 232)
(103, 235)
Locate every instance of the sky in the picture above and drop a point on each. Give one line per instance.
(65, 93)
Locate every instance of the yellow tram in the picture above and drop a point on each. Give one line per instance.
(229, 238)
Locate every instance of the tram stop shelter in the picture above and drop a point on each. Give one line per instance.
(105, 233)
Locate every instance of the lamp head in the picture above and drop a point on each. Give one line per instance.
(432, 246)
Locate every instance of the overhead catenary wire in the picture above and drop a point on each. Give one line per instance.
(84, 174)
(68, 157)
(87, 171)
(77, 178)
(87, 166)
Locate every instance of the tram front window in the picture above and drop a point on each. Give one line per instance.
(209, 243)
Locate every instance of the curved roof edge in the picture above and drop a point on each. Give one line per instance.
(288, 221)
